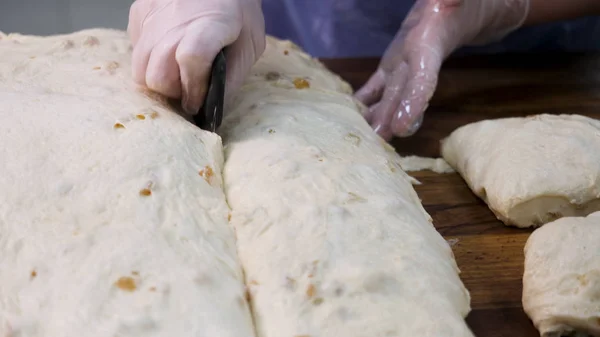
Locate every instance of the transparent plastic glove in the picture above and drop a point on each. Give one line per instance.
(399, 92)
(175, 42)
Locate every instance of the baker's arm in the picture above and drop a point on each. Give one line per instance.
(542, 11)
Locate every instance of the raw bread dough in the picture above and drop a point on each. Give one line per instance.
(287, 63)
(530, 170)
(561, 283)
(333, 238)
(113, 220)
(415, 163)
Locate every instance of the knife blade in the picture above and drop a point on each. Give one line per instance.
(210, 115)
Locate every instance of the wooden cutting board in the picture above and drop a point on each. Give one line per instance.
(489, 254)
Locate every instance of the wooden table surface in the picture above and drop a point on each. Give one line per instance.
(470, 89)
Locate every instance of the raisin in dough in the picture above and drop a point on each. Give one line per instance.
(561, 283)
(530, 170)
(333, 238)
(113, 220)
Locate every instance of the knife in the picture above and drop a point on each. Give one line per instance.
(210, 115)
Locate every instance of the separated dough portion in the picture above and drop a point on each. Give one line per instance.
(416, 163)
(530, 170)
(561, 283)
(332, 236)
(113, 220)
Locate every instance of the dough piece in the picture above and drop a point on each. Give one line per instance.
(113, 220)
(561, 283)
(332, 237)
(530, 170)
(287, 66)
(415, 163)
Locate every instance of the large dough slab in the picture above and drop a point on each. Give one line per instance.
(561, 283)
(332, 237)
(113, 221)
(530, 170)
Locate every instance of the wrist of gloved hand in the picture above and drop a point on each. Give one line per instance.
(497, 18)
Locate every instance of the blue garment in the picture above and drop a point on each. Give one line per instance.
(364, 28)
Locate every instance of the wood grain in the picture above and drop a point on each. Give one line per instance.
(473, 88)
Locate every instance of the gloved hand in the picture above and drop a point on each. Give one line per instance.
(399, 92)
(176, 41)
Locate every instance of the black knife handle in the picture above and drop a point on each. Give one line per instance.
(210, 115)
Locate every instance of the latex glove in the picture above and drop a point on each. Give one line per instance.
(176, 41)
(399, 92)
